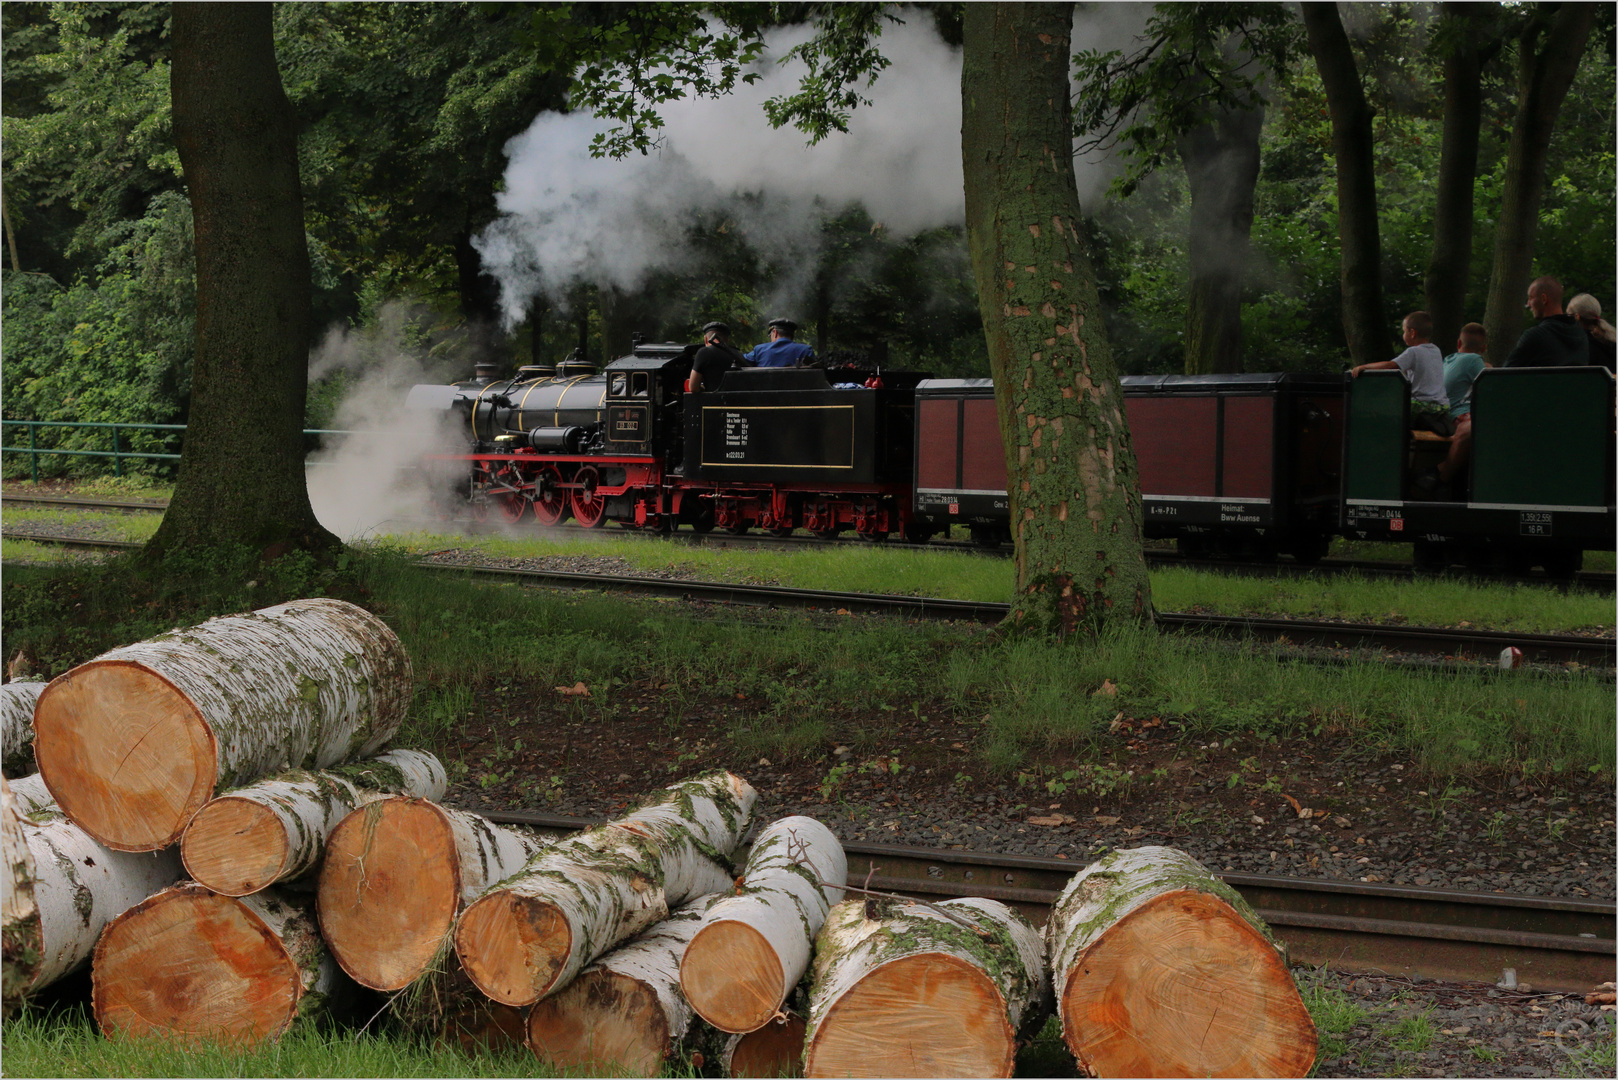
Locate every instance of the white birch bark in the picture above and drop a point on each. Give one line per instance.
(651, 960)
(134, 742)
(188, 962)
(79, 887)
(1201, 988)
(17, 727)
(912, 951)
(781, 900)
(290, 817)
(19, 915)
(31, 796)
(396, 873)
(602, 886)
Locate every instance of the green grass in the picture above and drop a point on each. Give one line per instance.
(1334, 1014)
(111, 525)
(102, 487)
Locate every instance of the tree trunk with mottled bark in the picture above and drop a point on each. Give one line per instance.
(1161, 969)
(529, 936)
(1470, 47)
(776, 1049)
(1221, 167)
(17, 700)
(1365, 324)
(754, 947)
(1549, 48)
(134, 743)
(397, 872)
(904, 990)
(78, 887)
(194, 965)
(624, 1015)
(276, 829)
(241, 477)
(1073, 486)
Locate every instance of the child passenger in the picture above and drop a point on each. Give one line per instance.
(1423, 364)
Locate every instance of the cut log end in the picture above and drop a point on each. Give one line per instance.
(389, 891)
(235, 846)
(1182, 986)
(732, 977)
(776, 1049)
(191, 964)
(126, 755)
(512, 947)
(604, 1024)
(929, 1014)
(488, 1027)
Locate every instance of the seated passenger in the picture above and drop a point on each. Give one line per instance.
(1603, 339)
(716, 357)
(1461, 369)
(1423, 364)
(781, 350)
(1556, 340)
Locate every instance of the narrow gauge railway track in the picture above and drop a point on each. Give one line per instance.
(1551, 942)
(1480, 644)
(1598, 580)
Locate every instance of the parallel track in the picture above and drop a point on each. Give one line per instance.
(1457, 644)
(1553, 943)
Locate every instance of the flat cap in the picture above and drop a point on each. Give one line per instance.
(715, 328)
(786, 326)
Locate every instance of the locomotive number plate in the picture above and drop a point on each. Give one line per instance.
(1534, 523)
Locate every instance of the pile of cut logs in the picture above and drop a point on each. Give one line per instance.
(213, 825)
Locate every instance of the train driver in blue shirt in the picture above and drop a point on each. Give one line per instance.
(781, 350)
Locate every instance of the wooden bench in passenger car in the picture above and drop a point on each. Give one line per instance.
(1428, 437)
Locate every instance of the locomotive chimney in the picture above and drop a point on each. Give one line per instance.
(486, 373)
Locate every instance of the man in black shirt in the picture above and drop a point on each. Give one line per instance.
(1557, 340)
(716, 357)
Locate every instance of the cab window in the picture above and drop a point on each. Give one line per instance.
(616, 388)
(641, 382)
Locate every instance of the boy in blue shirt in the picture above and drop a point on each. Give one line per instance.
(1461, 369)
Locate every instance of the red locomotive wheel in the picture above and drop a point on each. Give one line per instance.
(513, 507)
(550, 501)
(589, 508)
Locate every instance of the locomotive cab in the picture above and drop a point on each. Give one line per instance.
(644, 394)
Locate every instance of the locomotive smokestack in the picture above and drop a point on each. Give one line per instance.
(486, 373)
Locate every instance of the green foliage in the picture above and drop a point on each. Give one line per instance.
(842, 53)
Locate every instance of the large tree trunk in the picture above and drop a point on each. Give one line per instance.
(1075, 503)
(241, 478)
(1449, 267)
(133, 743)
(903, 990)
(624, 1015)
(532, 934)
(1365, 323)
(1548, 51)
(1161, 969)
(276, 829)
(753, 947)
(189, 963)
(397, 872)
(17, 701)
(78, 887)
(776, 1049)
(1221, 166)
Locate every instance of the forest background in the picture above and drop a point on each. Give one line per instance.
(406, 113)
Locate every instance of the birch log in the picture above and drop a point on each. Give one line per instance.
(17, 701)
(193, 964)
(79, 886)
(902, 990)
(533, 933)
(133, 743)
(754, 947)
(19, 916)
(776, 1049)
(276, 829)
(396, 873)
(1161, 969)
(30, 795)
(624, 1015)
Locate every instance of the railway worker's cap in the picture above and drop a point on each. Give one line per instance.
(786, 326)
(715, 328)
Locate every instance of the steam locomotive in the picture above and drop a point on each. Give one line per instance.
(1254, 464)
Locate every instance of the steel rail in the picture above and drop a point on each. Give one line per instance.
(1551, 942)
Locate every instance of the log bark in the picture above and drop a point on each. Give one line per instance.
(624, 1015)
(32, 796)
(134, 743)
(17, 701)
(78, 887)
(19, 915)
(397, 871)
(192, 964)
(902, 990)
(276, 829)
(776, 1049)
(754, 947)
(1161, 969)
(532, 934)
